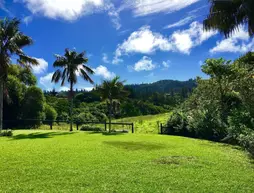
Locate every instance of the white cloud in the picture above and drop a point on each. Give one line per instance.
(63, 9)
(42, 67)
(105, 58)
(114, 15)
(145, 41)
(142, 41)
(238, 42)
(184, 40)
(146, 7)
(145, 64)
(45, 81)
(200, 63)
(180, 22)
(166, 64)
(104, 72)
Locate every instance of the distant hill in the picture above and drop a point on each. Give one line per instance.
(163, 86)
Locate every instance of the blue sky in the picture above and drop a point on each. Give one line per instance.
(139, 40)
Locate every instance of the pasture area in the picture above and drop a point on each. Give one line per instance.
(60, 161)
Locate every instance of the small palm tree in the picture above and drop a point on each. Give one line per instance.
(72, 65)
(112, 91)
(12, 41)
(227, 15)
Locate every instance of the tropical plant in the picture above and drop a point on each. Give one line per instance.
(72, 65)
(112, 91)
(227, 15)
(12, 41)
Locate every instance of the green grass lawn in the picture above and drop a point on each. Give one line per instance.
(55, 161)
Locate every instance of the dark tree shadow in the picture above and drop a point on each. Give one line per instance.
(131, 145)
(107, 133)
(39, 135)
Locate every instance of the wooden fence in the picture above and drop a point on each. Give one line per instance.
(50, 123)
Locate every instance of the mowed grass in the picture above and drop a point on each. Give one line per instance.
(57, 161)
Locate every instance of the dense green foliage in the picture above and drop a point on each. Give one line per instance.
(221, 108)
(44, 161)
(228, 16)
(12, 42)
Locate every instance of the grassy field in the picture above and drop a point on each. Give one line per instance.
(142, 124)
(146, 124)
(44, 161)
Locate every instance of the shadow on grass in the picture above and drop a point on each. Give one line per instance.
(131, 145)
(107, 133)
(39, 135)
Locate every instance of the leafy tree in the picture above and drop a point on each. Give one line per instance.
(72, 64)
(227, 15)
(33, 104)
(50, 113)
(112, 91)
(12, 41)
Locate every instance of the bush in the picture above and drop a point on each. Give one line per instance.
(50, 113)
(206, 124)
(90, 128)
(177, 124)
(246, 140)
(7, 133)
(85, 117)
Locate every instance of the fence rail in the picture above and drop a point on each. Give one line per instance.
(77, 123)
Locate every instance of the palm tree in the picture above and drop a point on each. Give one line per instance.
(112, 91)
(73, 65)
(12, 41)
(227, 15)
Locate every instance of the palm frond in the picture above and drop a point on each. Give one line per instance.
(56, 76)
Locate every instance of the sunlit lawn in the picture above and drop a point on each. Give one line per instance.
(44, 161)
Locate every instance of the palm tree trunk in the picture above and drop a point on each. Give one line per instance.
(1, 104)
(71, 107)
(110, 114)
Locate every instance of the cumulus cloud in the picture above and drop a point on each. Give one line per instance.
(146, 7)
(142, 41)
(145, 64)
(63, 9)
(42, 67)
(104, 72)
(145, 41)
(238, 42)
(184, 40)
(45, 81)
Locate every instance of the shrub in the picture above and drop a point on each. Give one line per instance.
(50, 113)
(206, 124)
(246, 140)
(85, 117)
(7, 133)
(90, 128)
(177, 124)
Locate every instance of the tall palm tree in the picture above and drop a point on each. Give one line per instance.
(12, 41)
(112, 91)
(72, 65)
(227, 15)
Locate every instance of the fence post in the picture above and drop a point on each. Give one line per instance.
(132, 127)
(161, 128)
(77, 125)
(105, 125)
(51, 125)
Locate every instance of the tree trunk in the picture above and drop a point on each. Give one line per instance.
(110, 113)
(1, 104)
(71, 107)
